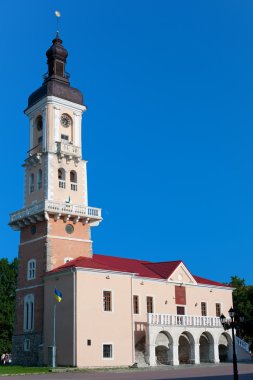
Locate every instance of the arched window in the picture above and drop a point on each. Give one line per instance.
(62, 178)
(39, 127)
(31, 184)
(29, 312)
(39, 179)
(39, 123)
(31, 269)
(73, 180)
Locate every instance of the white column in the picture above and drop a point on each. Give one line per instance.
(175, 360)
(151, 355)
(196, 359)
(216, 358)
(31, 132)
(44, 130)
(77, 129)
(56, 136)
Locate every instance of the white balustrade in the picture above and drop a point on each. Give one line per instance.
(183, 320)
(68, 149)
(55, 208)
(241, 343)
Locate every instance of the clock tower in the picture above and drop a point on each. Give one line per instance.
(56, 219)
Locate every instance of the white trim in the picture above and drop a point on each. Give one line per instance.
(31, 132)
(57, 101)
(112, 300)
(108, 343)
(44, 129)
(55, 237)
(56, 128)
(29, 287)
(183, 267)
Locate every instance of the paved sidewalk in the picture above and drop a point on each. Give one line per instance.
(222, 371)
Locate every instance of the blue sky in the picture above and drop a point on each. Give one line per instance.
(168, 131)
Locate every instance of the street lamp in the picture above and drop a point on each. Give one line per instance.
(232, 325)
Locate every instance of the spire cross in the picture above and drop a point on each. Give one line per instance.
(58, 15)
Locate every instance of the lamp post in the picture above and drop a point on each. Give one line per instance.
(232, 325)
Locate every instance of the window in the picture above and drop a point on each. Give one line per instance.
(31, 184)
(29, 312)
(180, 310)
(59, 68)
(107, 300)
(88, 342)
(31, 269)
(218, 309)
(73, 180)
(150, 308)
(39, 123)
(136, 304)
(61, 178)
(65, 137)
(107, 351)
(27, 345)
(203, 309)
(39, 179)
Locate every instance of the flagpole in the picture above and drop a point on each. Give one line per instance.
(54, 341)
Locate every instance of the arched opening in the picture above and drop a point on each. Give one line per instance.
(163, 349)
(186, 353)
(39, 179)
(31, 183)
(225, 347)
(39, 129)
(62, 178)
(206, 348)
(73, 180)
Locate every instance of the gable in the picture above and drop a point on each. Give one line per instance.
(182, 275)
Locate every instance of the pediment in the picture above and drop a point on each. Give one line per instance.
(182, 275)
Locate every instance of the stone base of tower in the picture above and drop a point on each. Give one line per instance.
(33, 356)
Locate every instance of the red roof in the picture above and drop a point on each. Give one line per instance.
(160, 270)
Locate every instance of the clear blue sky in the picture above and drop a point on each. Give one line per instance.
(169, 128)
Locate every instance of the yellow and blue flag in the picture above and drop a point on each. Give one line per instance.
(58, 295)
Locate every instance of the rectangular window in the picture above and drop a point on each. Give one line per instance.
(73, 186)
(107, 300)
(150, 308)
(218, 309)
(65, 137)
(136, 304)
(107, 351)
(62, 184)
(203, 309)
(180, 310)
(27, 345)
(180, 295)
(59, 68)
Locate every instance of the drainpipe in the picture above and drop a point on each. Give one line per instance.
(132, 322)
(73, 270)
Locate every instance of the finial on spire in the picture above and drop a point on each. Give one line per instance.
(58, 15)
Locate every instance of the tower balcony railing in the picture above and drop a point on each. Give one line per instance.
(35, 211)
(183, 320)
(68, 149)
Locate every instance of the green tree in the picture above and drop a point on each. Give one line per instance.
(8, 280)
(243, 304)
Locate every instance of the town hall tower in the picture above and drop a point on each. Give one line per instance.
(55, 222)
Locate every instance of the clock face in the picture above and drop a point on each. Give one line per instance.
(65, 120)
(69, 228)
